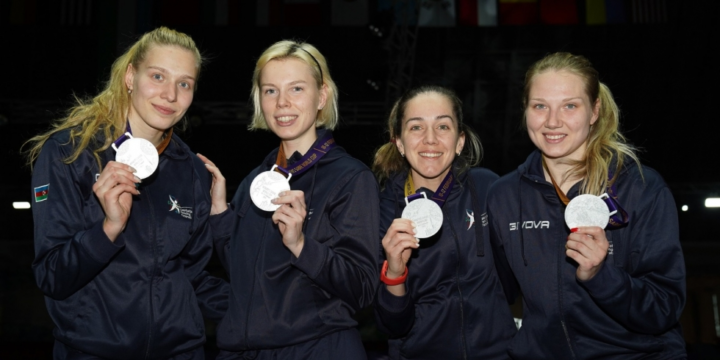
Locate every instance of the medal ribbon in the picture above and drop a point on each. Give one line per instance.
(440, 195)
(123, 137)
(619, 217)
(326, 143)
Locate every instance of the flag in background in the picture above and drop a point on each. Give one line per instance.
(349, 12)
(518, 12)
(598, 12)
(404, 11)
(437, 13)
(558, 12)
(477, 12)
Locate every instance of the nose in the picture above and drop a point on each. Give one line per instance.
(169, 92)
(282, 100)
(553, 120)
(430, 136)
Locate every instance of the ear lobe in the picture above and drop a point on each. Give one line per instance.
(596, 112)
(129, 77)
(461, 143)
(323, 97)
(399, 145)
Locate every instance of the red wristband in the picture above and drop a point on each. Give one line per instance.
(391, 282)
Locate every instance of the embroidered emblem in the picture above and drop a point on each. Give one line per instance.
(185, 212)
(41, 192)
(470, 219)
(610, 248)
(484, 219)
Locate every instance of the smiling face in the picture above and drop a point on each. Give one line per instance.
(290, 100)
(162, 90)
(430, 138)
(559, 114)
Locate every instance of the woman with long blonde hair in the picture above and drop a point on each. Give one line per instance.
(605, 288)
(120, 209)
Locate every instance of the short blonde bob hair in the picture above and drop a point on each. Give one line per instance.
(328, 116)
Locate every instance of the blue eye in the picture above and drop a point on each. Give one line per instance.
(269, 91)
(571, 106)
(297, 88)
(157, 77)
(539, 106)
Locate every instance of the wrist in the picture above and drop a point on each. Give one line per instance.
(394, 281)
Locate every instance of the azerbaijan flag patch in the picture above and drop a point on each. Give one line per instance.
(41, 193)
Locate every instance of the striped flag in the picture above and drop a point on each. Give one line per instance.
(518, 12)
(349, 12)
(598, 12)
(478, 12)
(437, 13)
(41, 192)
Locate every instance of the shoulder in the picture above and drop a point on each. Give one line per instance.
(483, 175)
(642, 178)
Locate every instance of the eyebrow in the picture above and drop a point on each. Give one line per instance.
(164, 71)
(566, 99)
(439, 117)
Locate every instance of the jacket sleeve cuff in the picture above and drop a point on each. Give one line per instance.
(392, 303)
(221, 223)
(606, 284)
(312, 258)
(98, 245)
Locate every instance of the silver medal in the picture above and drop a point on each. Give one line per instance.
(266, 186)
(139, 153)
(587, 210)
(426, 215)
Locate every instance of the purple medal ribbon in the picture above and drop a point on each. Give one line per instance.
(123, 137)
(619, 217)
(440, 195)
(327, 143)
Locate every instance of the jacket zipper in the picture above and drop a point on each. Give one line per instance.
(153, 244)
(457, 282)
(560, 309)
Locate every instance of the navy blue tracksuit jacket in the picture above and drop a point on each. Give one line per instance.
(630, 309)
(454, 307)
(136, 298)
(278, 300)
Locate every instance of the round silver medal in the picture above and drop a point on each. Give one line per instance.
(266, 186)
(139, 153)
(587, 210)
(426, 215)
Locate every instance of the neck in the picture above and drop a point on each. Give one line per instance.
(141, 130)
(432, 184)
(300, 145)
(559, 169)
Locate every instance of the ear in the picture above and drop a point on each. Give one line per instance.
(399, 144)
(323, 96)
(460, 143)
(596, 112)
(129, 77)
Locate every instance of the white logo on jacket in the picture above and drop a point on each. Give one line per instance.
(540, 224)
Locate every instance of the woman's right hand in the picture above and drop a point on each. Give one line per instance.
(114, 189)
(398, 243)
(218, 192)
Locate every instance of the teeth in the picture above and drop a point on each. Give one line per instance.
(285, 118)
(554, 137)
(430, 154)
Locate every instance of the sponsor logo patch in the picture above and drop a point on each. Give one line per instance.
(540, 224)
(185, 212)
(470, 218)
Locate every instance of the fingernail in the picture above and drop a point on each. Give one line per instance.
(573, 230)
(137, 179)
(132, 170)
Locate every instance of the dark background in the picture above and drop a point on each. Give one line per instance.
(663, 73)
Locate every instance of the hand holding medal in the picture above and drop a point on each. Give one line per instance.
(587, 215)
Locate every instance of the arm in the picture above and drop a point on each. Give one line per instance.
(344, 264)
(71, 245)
(649, 294)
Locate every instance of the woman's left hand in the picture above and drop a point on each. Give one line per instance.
(290, 217)
(588, 246)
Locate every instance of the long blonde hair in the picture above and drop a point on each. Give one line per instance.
(388, 159)
(106, 113)
(288, 49)
(604, 140)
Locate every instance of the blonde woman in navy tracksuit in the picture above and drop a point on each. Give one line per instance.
(298, 272)
(121, 260)
(440, 297)
(588, 292)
